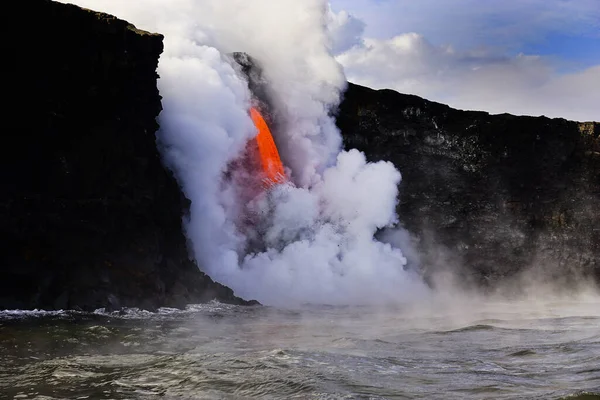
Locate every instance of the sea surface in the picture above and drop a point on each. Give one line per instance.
(471, 350)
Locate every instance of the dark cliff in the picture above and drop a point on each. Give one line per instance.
(499, 193)
(89, 217)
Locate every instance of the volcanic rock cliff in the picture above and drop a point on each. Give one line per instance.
(493, 194)
(89, 217)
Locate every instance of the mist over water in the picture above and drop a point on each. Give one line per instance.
(474, 350)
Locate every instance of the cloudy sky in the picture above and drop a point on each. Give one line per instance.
(526, 57)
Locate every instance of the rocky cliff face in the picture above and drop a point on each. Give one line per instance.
(89, 217)
(498, 193)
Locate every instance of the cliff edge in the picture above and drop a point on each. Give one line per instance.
(89, 217)
(493, 195)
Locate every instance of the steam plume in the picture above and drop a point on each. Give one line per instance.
(316, 236)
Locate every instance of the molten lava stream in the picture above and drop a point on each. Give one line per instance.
(269, 156)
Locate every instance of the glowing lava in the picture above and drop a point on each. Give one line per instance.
(269, 156)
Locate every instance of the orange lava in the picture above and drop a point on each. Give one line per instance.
(269, 156)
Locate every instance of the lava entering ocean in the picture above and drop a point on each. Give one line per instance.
(267, 150)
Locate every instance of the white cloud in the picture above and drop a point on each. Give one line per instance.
(478, 80)
(345, 30)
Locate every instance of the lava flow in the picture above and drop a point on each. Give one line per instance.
(267, 151)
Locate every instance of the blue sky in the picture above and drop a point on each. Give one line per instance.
(480, 41)
(556, 26)
(575, 51)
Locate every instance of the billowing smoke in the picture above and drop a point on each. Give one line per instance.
(316, 234)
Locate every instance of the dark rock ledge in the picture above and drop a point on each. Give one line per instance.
(487, 196)
(89, 217)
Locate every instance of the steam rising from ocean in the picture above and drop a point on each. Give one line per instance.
(317, 235)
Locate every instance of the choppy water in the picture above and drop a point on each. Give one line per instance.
(491, 351)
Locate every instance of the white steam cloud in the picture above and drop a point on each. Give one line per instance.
(316, 235)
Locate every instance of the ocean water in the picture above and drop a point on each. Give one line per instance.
(491, 350)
